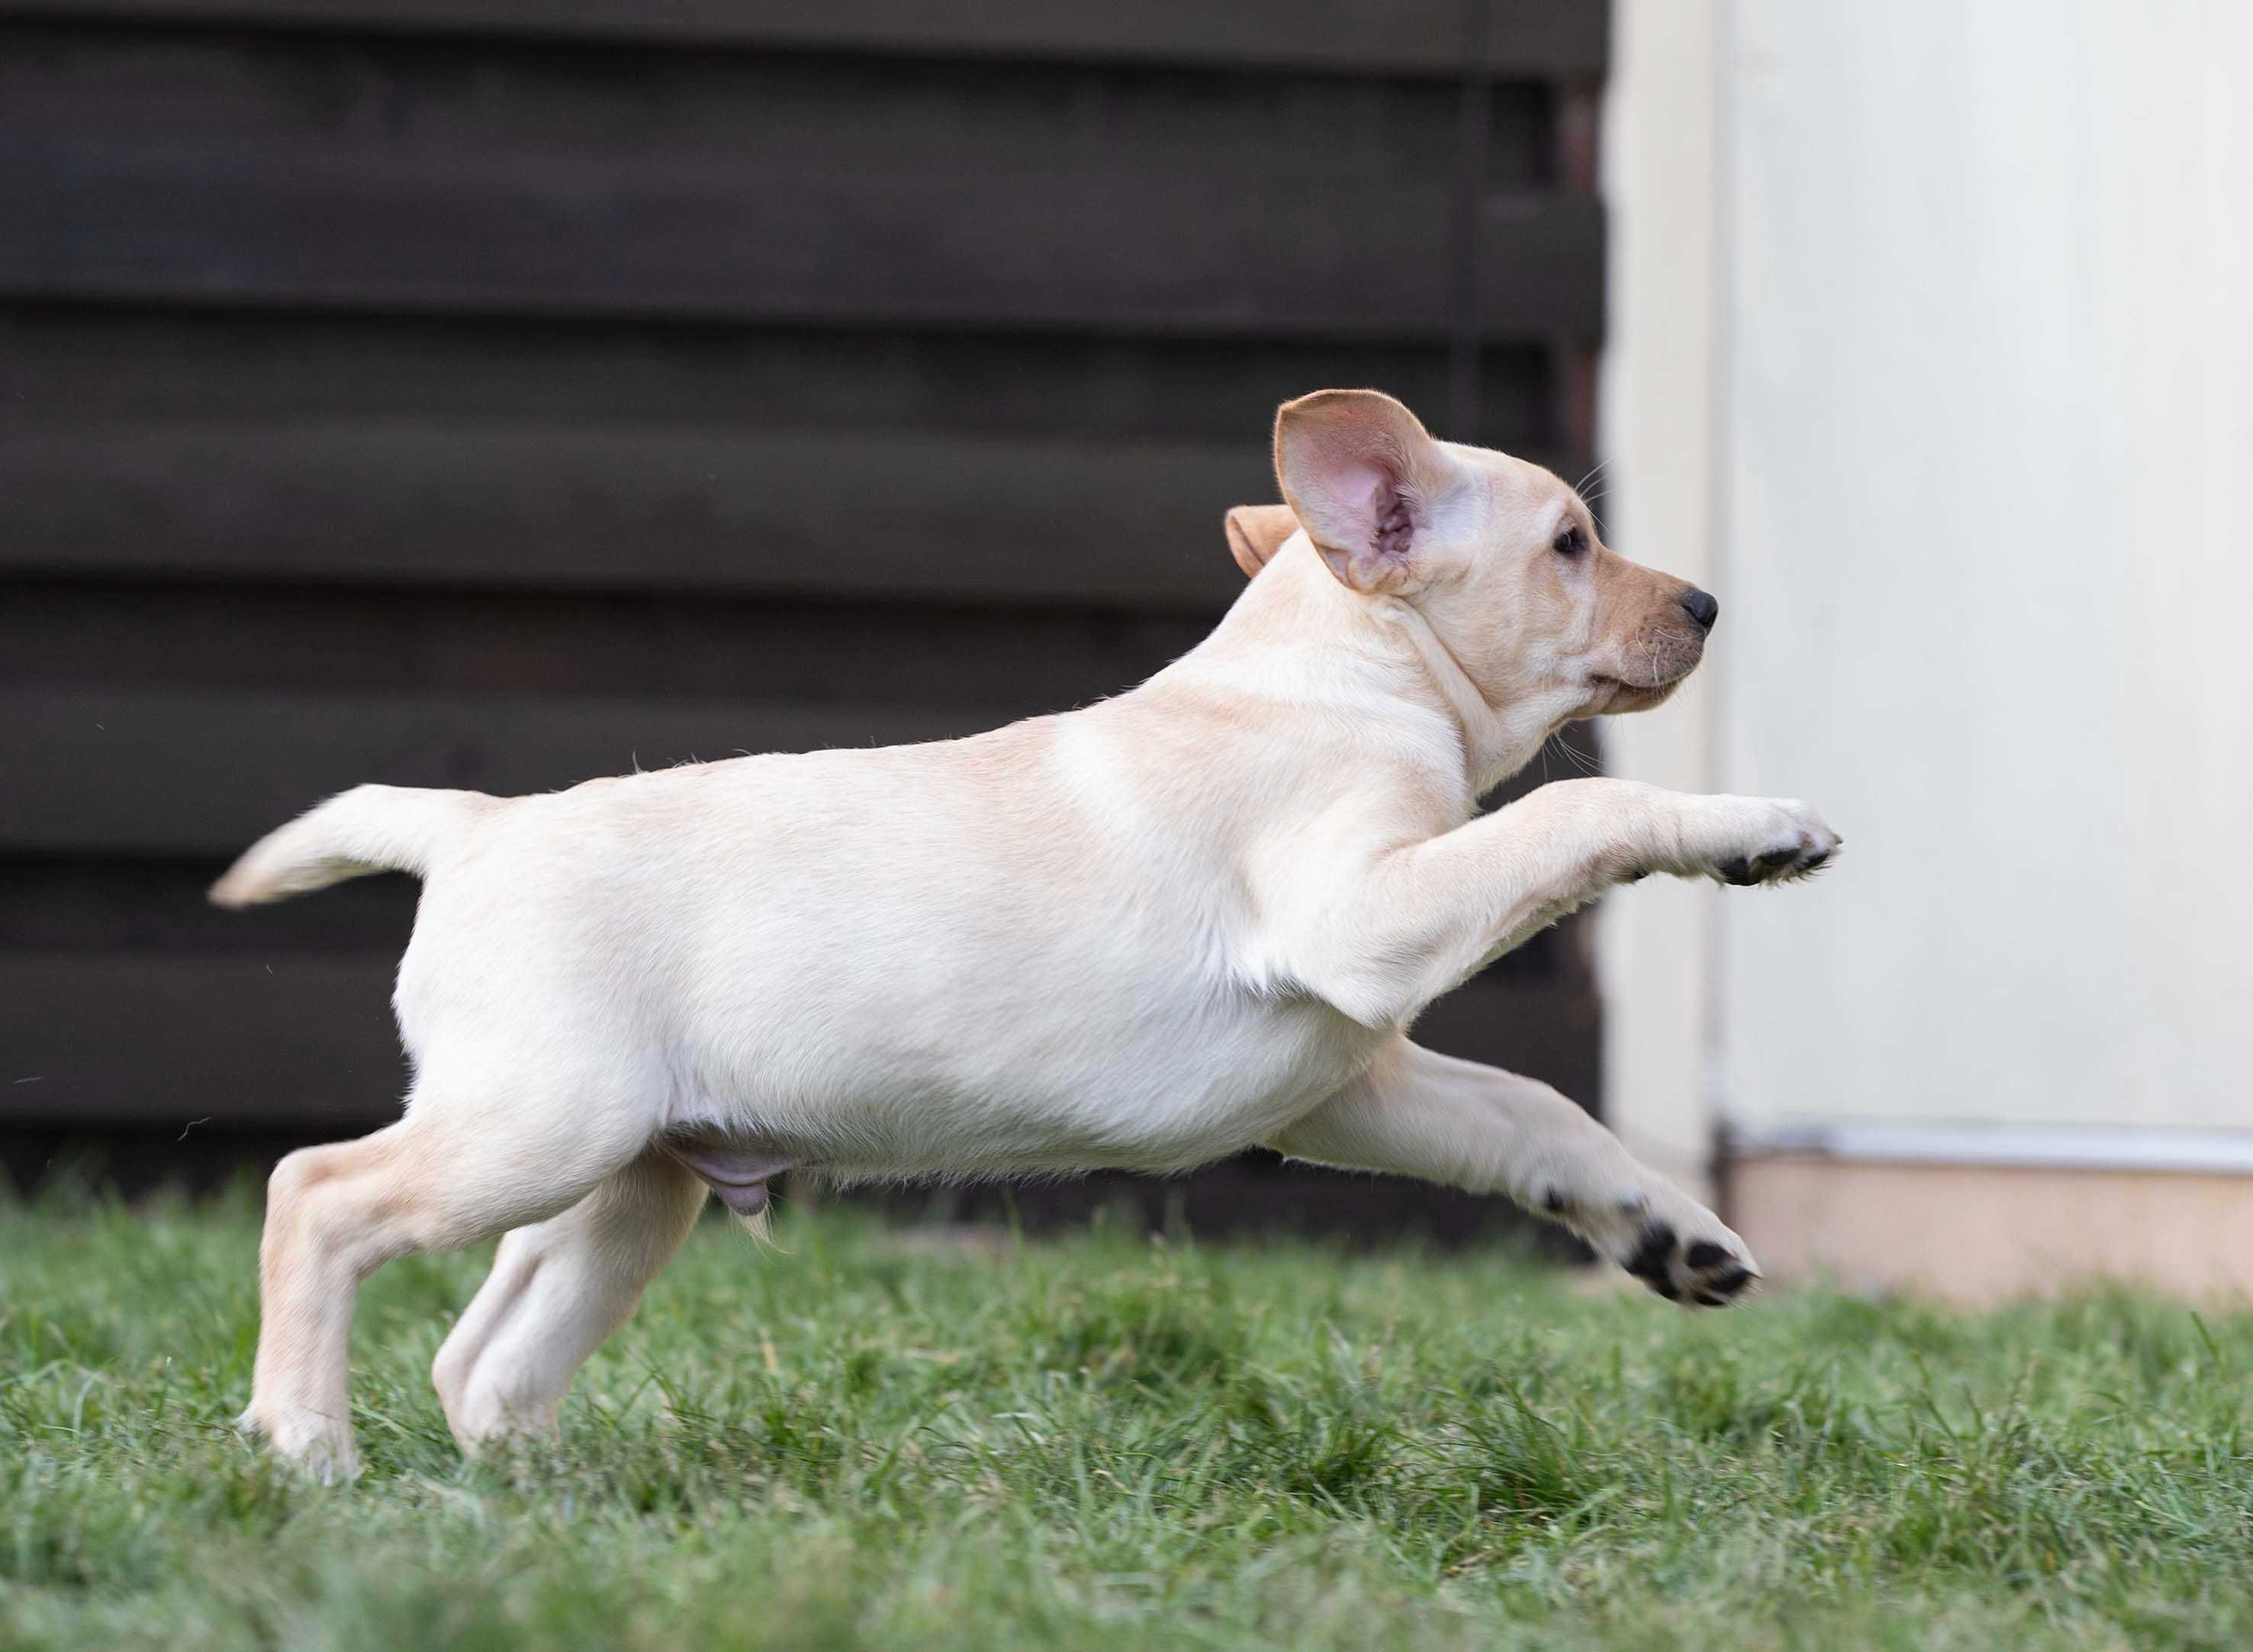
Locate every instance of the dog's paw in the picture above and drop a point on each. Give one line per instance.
(1697, 1272)
(1767, 841)
(1677, 1247)
(319, 1446)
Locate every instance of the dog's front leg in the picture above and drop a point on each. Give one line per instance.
(1395, 927)
(1423, 1114)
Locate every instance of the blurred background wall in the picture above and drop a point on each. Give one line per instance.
(1931, 353)
(499, 393)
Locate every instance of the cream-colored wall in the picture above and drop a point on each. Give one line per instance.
(1655, 499)
(1981, 380)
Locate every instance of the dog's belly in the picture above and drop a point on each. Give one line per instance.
(1044, 1094)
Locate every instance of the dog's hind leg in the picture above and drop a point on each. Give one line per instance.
(464, 1165)
(556, 1292)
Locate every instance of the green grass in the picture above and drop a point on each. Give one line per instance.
(1104, 1442)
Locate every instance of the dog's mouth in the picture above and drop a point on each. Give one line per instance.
(1644, 673)
(1610, 696)
(1616, 694)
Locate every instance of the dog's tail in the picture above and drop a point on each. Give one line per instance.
(365, 830)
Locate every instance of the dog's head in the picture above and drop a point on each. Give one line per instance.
(1500, 557)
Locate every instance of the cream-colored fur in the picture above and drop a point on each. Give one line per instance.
(1192, 919)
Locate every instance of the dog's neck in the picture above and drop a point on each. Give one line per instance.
(1388, 649)
(1498, 740)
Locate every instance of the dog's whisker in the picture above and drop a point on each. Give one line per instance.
(1578, 758)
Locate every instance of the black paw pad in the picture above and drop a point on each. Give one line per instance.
(1652, 1251)
(1705, 1254)
(1729, 1282)
(1769, 865)
(1737, 870)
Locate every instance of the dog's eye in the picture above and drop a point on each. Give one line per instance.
(1571, 542)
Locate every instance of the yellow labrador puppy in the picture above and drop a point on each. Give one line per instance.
(1149, 933)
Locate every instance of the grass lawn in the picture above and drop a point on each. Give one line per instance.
(1107, 1442)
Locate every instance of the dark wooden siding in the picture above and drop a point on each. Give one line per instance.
(497, 392)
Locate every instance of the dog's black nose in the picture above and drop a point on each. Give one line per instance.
(1701, 606)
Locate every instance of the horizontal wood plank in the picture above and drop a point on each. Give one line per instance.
(783, 244)
(300, 1040)
(204, 172)
(1002, 661)
(139, 772)
(1372, 37)
(597, 116)
(108, 905)
(296, 1038)
(65, 365)
(896, 518)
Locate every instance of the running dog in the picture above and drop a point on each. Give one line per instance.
(1198, 917)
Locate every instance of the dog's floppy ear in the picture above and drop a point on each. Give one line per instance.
(1364, 478)
(1256, 533)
